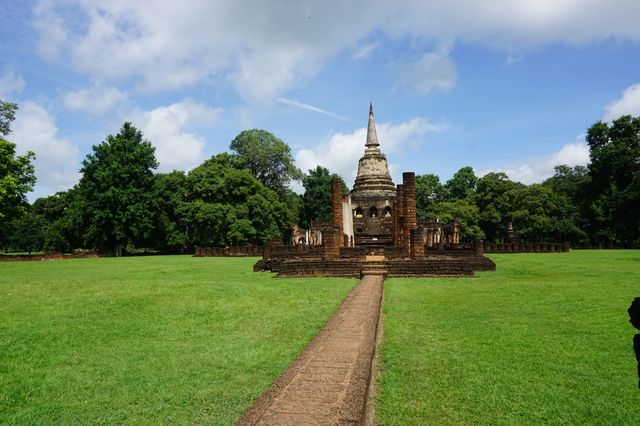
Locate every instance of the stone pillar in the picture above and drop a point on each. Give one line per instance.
(417, 242)
(330, 242)
(336, 207)
(410, 218)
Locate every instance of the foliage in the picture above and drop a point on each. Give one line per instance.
(316, 201)
(229, 206)
(465, 212)
(540, 214)
(268, 158)
(615, 178)
(17, 177)
(170, 234)
(7, 115)
(494, 197)
(429, 191)
(117, 190)
(150, 340)
(462, 184)
(539, 340)
(27, 233)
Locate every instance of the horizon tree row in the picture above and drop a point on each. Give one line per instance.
(243, 197)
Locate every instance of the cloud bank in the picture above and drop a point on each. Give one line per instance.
(164, 44)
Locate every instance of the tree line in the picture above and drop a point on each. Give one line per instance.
(242, 197)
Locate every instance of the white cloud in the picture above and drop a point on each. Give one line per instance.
(431, 71)
(364, 51)
(96, 99)
(340, 152)
(11, 83)
(265, 48)
(169, 129)
(535, 170)
(57, 160)
(309, 107)
(628, 104)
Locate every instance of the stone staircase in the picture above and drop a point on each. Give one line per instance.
(374, 265)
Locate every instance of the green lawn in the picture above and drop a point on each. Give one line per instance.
(148, 340)
(545, 339)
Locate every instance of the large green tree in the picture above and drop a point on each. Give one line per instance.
(170, 191)
(462, 184)
(117, 189)
(615, 179)
(63, 214)
(316, 200)
(429, 192)
(494, 196)
(268, 158)
(17, 174)
(540, 214)
(229, 206)
(17, 177)
(7, 115)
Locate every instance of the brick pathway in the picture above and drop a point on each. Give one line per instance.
(327, 384)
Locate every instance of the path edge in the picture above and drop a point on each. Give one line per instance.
(373, 386)
(262, 404)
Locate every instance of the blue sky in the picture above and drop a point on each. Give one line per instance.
(505, 86)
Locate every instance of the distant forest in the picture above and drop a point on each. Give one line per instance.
(242, 197)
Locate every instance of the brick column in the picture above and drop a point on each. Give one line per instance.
(410, 219)
(330, 242)
(336, 207)
(417, 242)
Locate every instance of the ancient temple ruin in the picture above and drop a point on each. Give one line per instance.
(374, 229)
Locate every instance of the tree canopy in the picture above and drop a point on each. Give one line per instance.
(242, 197)
(316, 201)
(7, 115)
(116, 188)
(268, 158)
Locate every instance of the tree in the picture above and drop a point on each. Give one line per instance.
(462, 184)
(117, 189)
(615, 178)
(17, 177)
(316, 200)
(540, 214)
(17, 174)
(463, 211)
(170, 191)
(429, 192)
(229, 206)
(62, 213)
(495, 198)
(268, 158)
(7, 115)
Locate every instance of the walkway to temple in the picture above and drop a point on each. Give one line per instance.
(328, 382)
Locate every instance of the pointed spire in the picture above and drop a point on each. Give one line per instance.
(372, 137)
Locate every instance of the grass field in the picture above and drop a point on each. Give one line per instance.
(545, 339)
(148, 340)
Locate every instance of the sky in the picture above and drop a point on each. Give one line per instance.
(506, 85)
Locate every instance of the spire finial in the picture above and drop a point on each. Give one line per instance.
(372, 137)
